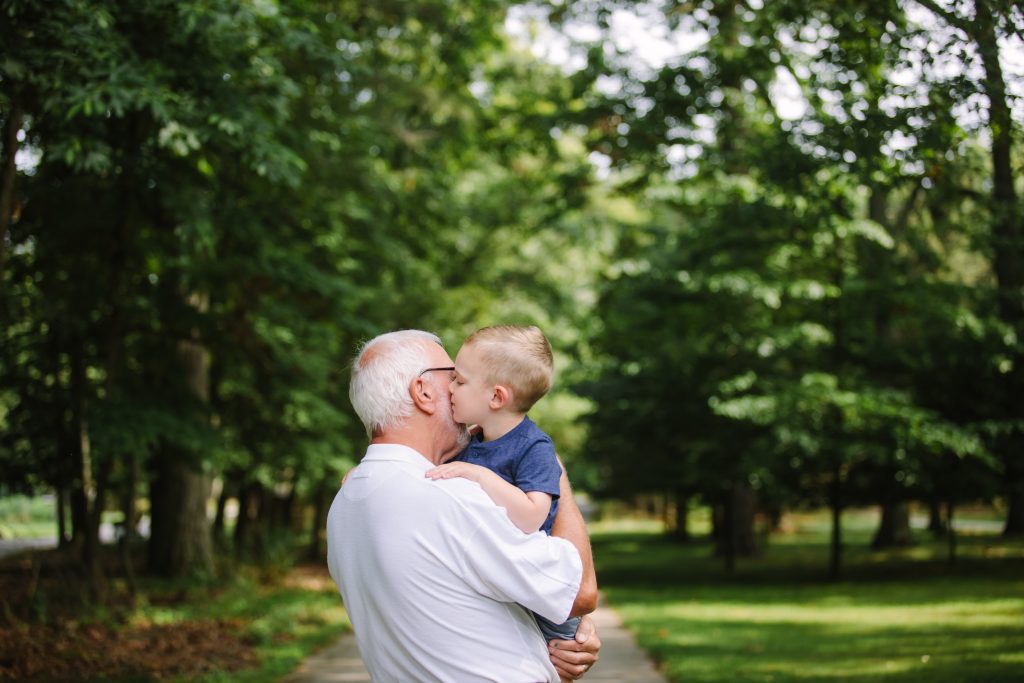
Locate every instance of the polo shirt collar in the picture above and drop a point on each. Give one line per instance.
(479, 443)
(394, 452)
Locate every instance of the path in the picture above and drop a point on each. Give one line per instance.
(13, 546)
(108, 536)
(621, 660)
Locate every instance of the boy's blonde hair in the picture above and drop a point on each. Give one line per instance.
(518, 357)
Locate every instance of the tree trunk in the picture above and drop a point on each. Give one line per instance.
(130, 512)
(253, 504)
(259, 502)
(773, 516)
(835, 566)
(743, 521)
(241, 534)
(180, 541)
(894, 527)
(99, 498)
(320, 503)
(129, 489)
(936, 524)
(738, 538)
(1012, 449)
(83, 495)
(280, 509)
(114, 345)
(680, 529)
(182, 489)
(60, 498)
(163, 497)
(218, 517)
(718, 539)
(1015, 514)
(952, 532)
(727, 539)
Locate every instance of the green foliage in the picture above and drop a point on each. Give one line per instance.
(270, 184)
(753, 294)
(808, 297)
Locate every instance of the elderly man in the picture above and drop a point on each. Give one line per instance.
(434, 575)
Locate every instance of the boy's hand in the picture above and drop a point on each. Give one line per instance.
(458, 469)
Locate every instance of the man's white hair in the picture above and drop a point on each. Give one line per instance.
(381, 374)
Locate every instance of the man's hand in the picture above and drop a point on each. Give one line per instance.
(458, 469)
(573, 658)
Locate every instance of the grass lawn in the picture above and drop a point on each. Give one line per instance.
(897, 616)
(35, 517)
(25, 517)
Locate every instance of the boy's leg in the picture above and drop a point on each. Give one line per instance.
(553, 631)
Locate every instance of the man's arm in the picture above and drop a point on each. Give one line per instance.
(569, 525)
(573, 658)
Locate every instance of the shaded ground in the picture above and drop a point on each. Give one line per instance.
(70, 651)
(44, 635)
(249, 622)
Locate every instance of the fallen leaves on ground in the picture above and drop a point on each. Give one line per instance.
(310, 577)
(70, 652)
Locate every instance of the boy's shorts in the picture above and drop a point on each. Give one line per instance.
(552, 631)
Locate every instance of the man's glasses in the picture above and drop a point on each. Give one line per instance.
(451, 369)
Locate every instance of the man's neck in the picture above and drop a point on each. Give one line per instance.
(501, 423)
(420, 440)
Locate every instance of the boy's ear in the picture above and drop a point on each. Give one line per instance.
(501, 397)
(424, 395)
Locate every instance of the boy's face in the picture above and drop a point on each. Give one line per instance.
(471, 394)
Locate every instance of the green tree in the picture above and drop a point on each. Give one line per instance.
(839, 240)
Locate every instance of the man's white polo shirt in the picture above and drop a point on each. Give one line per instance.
(433, 574)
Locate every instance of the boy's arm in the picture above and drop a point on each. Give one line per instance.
(526, 510)
(569, 525)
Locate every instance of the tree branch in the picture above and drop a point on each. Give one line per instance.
(950, 18)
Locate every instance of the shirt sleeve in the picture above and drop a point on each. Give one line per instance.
(538, 469)
(540, 572)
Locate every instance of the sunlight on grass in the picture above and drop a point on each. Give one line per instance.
(25, 517)
(625, 524)
(994, 613)
(901, 616)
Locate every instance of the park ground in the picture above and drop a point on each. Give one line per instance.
(900, 615)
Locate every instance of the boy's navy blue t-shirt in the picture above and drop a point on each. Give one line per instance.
(524, 457)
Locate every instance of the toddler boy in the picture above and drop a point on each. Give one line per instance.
(500, 372)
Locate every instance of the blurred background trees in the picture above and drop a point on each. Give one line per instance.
(781, 262)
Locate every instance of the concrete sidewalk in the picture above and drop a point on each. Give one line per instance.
(620, 660)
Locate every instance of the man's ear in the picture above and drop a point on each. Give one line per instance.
(501, 396)
(424, 395)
